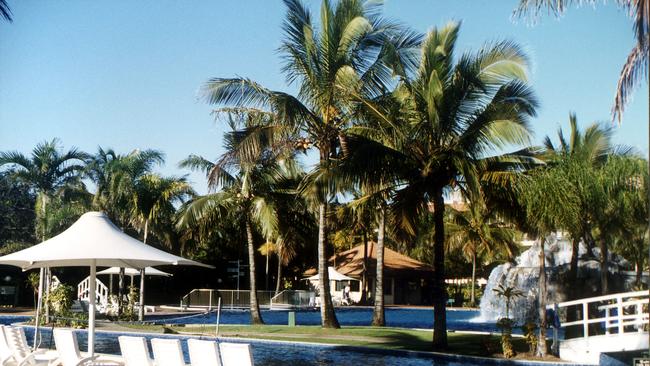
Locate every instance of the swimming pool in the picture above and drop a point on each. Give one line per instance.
(395, 317)
(269, 353)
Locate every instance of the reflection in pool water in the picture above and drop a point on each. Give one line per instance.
(286, 354)
(395, 317)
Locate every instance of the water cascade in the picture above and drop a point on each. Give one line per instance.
(524, 275)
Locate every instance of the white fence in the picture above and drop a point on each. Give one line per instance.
(617, 313)
(611, 323)
(101, 291)
(289, 299)
(233, 299)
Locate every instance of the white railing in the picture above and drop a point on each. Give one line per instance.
(289, 299)
(208, 299)
(101, 292)
(604, 315)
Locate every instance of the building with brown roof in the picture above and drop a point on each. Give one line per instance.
(406, 280)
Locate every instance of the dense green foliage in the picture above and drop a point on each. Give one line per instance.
(400, 121)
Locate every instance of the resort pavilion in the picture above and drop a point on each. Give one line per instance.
(406, 280)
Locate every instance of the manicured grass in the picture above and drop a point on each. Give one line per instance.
(385, 338)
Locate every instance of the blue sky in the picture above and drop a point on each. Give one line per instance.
(125, 74)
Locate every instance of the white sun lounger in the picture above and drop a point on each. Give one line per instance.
(236, 354)
(6, 354)
(135, 351)
(69, 354)
(22, 353)
(68, 348)
(203, 353)
(167, 352)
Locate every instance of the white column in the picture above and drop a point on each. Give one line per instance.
(91, 309)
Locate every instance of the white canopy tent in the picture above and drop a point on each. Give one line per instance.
(132, 272)
(149, 271)
(93, 241)
(334, 275)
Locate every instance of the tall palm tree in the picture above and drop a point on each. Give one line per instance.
(575, 160)
(445, 121)
(247, 176)
(48, 171)
(154, 199)
(115, 176)
(635, 68)
(478, 231)
(352, 45)
(357, 224)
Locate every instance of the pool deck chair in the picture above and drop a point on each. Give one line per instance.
(135, 351)
(6, 354)
(203, 353)
(167, 352)
(22, 353)
(236, 354)
(69, 354)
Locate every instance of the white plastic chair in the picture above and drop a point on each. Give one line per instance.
(22, 353)
(6, 354)
(236, 354)
(203, 353)
(167, 352)
(135, 351)
(68, 348)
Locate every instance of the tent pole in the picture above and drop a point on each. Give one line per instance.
(141, 310)
(38, 308)
(46, 304)
(91, 309)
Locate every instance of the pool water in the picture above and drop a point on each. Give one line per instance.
(281, 354)
(395, 317)
(269, 353)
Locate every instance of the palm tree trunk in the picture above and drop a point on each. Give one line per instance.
(43, 216)
(573, 270)
(638, 267)
(473, 297)
(266, 271)
(256, 316)
(378, 316)
(120, 291)
(439, 289)
(146, 230)
(604, 268)
(328, 317)
(277, 285)
(572, 311)
(364, 274)
(541, 340)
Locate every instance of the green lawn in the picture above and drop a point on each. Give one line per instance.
(385, 338)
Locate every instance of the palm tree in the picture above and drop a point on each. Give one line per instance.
(478, 231)
(443, 123)
(576, 160)
(154, 199)
(356, 224)
(5, 12)
(352, 46)
(115, 177)
(248, 175)
(49, 171)
(636, 65)
(372, 205)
